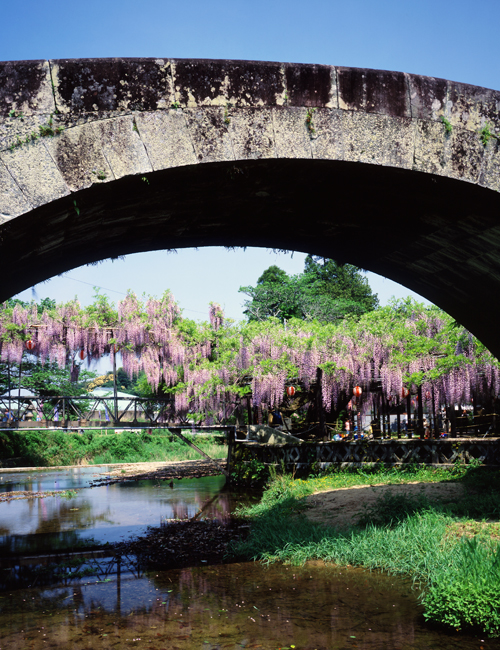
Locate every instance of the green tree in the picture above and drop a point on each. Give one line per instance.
(326, 291)
(340, 281)
(274, 275)
(47, 380)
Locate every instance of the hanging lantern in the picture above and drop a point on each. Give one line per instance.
(356, 391)
(404, 392)
(290, 391)
(389, 398)
(30, 345)
(428, 394)
(82, 354)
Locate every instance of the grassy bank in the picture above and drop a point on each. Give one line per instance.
(452, 550)
(49, 448)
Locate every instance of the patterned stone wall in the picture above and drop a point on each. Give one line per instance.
(362, 452)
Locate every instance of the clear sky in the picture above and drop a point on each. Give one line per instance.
(454, 40)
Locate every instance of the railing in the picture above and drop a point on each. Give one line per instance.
(57, 410)
(356, 453)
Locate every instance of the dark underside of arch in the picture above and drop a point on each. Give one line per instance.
(437, 236)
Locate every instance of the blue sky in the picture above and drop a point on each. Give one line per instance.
(454, 40)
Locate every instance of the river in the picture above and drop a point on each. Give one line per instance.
(239, 605)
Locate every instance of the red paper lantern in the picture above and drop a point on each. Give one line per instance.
(82, 354)
(356, 391)
(427, 394)
(389, 398)
(404, 392)
(290, 391)
(30, 345)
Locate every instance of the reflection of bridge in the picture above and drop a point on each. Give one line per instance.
(393, 172)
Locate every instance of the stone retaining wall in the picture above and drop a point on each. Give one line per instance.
(368, 452)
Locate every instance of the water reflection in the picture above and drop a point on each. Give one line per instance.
(233, 606)
(49, 479)
(104, 514)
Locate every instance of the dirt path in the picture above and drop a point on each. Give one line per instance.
(343, 507)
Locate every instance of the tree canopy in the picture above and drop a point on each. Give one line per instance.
(325, 291)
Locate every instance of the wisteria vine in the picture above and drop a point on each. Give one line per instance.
(208, 368)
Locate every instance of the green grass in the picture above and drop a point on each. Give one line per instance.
(51, 448)
(458, 576)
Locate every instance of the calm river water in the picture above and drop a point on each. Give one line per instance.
(244, 605)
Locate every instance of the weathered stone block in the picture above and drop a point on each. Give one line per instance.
(216, 83)
(377, 139)
(466, 154)
(490, 174)
(293, 138)
(470, 107)
(209, 134)
(166, 138)
(122, 146)
(327, 142)
(25, 87)
(311, 85)
(108, 85)
(427, 97)
(430, 142)
(373, 91)
(35, 172)
(12, 201)
(252, 133)
(79, 157)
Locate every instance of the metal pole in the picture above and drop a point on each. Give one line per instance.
(177, 432)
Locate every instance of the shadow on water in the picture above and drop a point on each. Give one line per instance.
(243, 605)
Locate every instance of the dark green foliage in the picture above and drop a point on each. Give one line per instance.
(273, 275)
(326, 291)
(44, 304)
(340, 282)
(467, 593)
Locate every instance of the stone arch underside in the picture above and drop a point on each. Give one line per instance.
(139, 154)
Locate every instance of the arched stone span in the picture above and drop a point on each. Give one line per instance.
(386, 170)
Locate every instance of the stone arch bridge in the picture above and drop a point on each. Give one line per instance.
(393, 172)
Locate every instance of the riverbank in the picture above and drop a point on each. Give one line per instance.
(41, 448)
(445, 537)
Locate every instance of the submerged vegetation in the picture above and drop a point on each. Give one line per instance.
(451, 550)
(49, 448)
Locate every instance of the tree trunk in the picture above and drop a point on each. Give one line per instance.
(420, 411)
(319, 404)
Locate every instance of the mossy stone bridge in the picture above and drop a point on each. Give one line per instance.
(393, 172)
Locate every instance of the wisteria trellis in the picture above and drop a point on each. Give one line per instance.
(208, 367)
